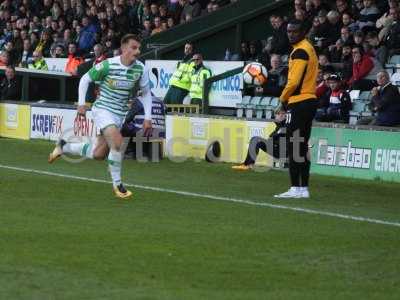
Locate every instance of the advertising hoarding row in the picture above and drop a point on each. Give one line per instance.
(345, 152)
(366, 154)
(190, 137)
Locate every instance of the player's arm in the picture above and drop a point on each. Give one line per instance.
(146, 100)
(83, 87)
(297, 69)
(96, 73)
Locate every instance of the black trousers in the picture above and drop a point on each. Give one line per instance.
(175, 95)
(299, 123)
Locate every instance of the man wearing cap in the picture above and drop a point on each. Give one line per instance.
(335, 104)
(322, 31)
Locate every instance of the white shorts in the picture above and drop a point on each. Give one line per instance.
(103, 118)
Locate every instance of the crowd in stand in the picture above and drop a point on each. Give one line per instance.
(33, 29)
(353, 39)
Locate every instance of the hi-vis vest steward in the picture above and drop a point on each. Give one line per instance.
(197, 79)
(181, 77)
(38, 65)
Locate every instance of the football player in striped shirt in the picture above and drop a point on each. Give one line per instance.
(117, 78)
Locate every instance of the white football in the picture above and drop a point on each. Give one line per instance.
(255, 73)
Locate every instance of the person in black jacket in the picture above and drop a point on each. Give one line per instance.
(10, 86)
(385, 102)
(335, 104)
(392, 40)
(277, 77)
(280, 42)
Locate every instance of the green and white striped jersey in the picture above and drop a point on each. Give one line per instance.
(117, 82)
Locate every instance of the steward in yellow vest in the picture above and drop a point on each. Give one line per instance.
(179, 84)
(199, 74)
(38, 62)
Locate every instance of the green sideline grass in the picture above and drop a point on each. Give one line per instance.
(70, 239)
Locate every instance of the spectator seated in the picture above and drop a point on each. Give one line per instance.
(335, 104)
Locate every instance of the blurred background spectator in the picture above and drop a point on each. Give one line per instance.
(53, 23)
(10, 85)
(384, 102)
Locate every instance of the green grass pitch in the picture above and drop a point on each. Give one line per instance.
(64, 238)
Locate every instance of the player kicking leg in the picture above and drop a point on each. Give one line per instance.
(117, 77)
(109, 145)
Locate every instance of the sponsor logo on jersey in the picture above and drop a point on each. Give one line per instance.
(121, 84)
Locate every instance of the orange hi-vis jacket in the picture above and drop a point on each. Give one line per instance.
(73, 63)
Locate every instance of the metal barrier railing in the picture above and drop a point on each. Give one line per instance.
(208, 84)
(183, 108)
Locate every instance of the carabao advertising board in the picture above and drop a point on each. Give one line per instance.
(51, 123)
(366, 154)
(224, 93)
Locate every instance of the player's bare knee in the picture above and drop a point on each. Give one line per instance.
(99, 156)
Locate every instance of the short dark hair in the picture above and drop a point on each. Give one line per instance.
(299, 23)
(360, 49)
(127, 37)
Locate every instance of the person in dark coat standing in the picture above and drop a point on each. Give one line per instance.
(10, 86)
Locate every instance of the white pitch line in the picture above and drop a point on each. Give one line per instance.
(213, 197)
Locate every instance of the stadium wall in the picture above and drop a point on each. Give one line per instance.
(340, 150)
(346, 151)
(189, 137)
(51, 121)
(358, 153)
(15, 120)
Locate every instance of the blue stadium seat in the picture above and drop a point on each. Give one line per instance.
(393, 63)
(359, 106)
(354, 94)
(241, 106)
(274, 103)
(394, 60)
(365, 96)
(395, 79)
(263, 105)
(251, 106)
